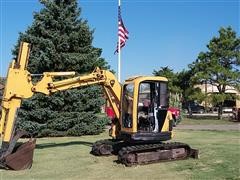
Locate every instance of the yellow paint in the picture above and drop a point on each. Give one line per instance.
(19, 86)
(7, 129)
(129, 130)
(135, 105)
(113, 104)
(105, 78)
(23, 56)
(3, 118)
(166, 122)
(136, 81)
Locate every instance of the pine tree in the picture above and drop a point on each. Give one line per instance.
(171, 76)
(219, 66)
(61, 41)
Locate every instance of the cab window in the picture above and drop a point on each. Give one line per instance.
(127, 106)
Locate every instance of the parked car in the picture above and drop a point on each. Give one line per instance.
(194, 107)
(227, 109)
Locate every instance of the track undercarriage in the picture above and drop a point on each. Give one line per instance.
(144, 153)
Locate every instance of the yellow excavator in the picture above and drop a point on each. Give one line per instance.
(140, 105)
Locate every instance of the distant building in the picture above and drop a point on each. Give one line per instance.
(209, 88)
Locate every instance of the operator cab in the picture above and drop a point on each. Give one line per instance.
(145, 109)
(152, 106)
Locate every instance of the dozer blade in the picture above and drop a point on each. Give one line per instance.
(17, 156)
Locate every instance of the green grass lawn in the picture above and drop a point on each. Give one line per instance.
(69, 158)
(199, 120)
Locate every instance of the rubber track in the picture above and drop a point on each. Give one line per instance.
(126, 151)
(109, 147)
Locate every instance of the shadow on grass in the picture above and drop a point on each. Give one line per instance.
(51, 145)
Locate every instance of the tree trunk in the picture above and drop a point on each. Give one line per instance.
(220, 111)
(189, 111)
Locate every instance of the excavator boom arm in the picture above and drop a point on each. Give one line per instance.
(106, 79)
(19, 86)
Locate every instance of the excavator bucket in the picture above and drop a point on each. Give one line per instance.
(18, 156)
(22, 157)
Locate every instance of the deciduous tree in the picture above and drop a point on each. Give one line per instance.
(219, 66)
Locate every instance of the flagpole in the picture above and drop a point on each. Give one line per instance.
(119, 51)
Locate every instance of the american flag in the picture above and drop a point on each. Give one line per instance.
(122, 31)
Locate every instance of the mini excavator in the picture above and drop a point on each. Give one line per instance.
(140, 105)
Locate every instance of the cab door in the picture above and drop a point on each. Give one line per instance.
(152, 106)
(127, 107)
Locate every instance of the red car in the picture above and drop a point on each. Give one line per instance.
(175, 114)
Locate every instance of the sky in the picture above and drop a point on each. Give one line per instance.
(161, 32)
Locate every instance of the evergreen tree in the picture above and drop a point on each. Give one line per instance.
(189, 92)
(219, 66)
(175, 91)
(171, 76)
(61, 41)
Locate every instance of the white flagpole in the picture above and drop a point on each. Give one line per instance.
(119, 50)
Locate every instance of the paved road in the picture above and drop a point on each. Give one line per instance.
(211, 114)
(222, 127)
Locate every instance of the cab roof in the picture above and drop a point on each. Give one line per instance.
(145, 78)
